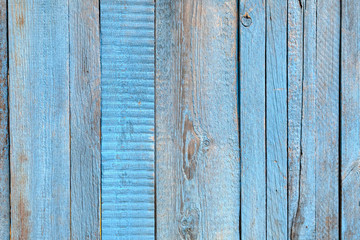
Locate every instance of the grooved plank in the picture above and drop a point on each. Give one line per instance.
(128, 111)
(314, 134)
(4, 133)
(39, 119)
(252, 119)
(276, 119)
(197, 158)
(350, 124)
(85, 97)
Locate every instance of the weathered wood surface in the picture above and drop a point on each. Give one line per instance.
(197, 157)
(313, 40)
(252, 118)
(276, 119)
(39, 119)
(128, 111)
(4, 133)
(85, 114)
(350, 123)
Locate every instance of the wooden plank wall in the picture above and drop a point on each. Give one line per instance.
(142, 119)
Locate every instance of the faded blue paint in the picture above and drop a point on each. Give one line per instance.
(4, 134)
(252, 119)
(128, 111)
(39, 119)
(350, 123)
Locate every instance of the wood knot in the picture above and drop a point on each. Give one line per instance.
(190, 148)
(189, 223)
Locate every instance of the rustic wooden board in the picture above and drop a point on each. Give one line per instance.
(85, 118)
(252, 119)
(128, 111)
(314, 134)
(327, 118)
(197, 157)
(276, 119)
(39, 119)
(350, 124)
(4, 134)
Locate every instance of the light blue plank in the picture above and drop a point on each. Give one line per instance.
(327, 118)
(197, 157)
(276, 118)
(128, 111)
(85, 118)
(313, 138)
(39, 119)
(4, 133)
(350, 124)
(252, 119)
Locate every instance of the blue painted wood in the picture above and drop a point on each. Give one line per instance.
(276, 119)
(85, 118)
(197, 158)
(252, 119)
(127, 53)
(350, 124)
(4, 133)
(314, 135)
(327, 118)
(39, 119)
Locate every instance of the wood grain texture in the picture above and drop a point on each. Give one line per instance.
(128, 111)
(4, 133)
(327, 119)
(252, 119)
(314, 134)
(39, 119)
(276, 119)
(350, 124)
(197, 166)
(85, 97)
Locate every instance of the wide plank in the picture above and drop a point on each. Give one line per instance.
(4, 127)
(128, 112)
(252, 118)
(85, 98)
(39, 119)
(197, 157)
(350, 124)
(276, 119)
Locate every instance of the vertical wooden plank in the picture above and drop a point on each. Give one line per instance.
(301, 118)
(252, 119)
(350, 124)
(197, 164)
(128, 110)
(85, 118)
(39, 119)
(314, 134)
(4, 133)
(327, 119)
(276, 118)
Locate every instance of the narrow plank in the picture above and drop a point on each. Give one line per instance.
(301, 105)
(327, 118)
(197, 158)
(350, 124)
(128, 111)
(252, 119)
(276, 118)
(4, 133)
(85, 98)
(39, 119)
(314, 134)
